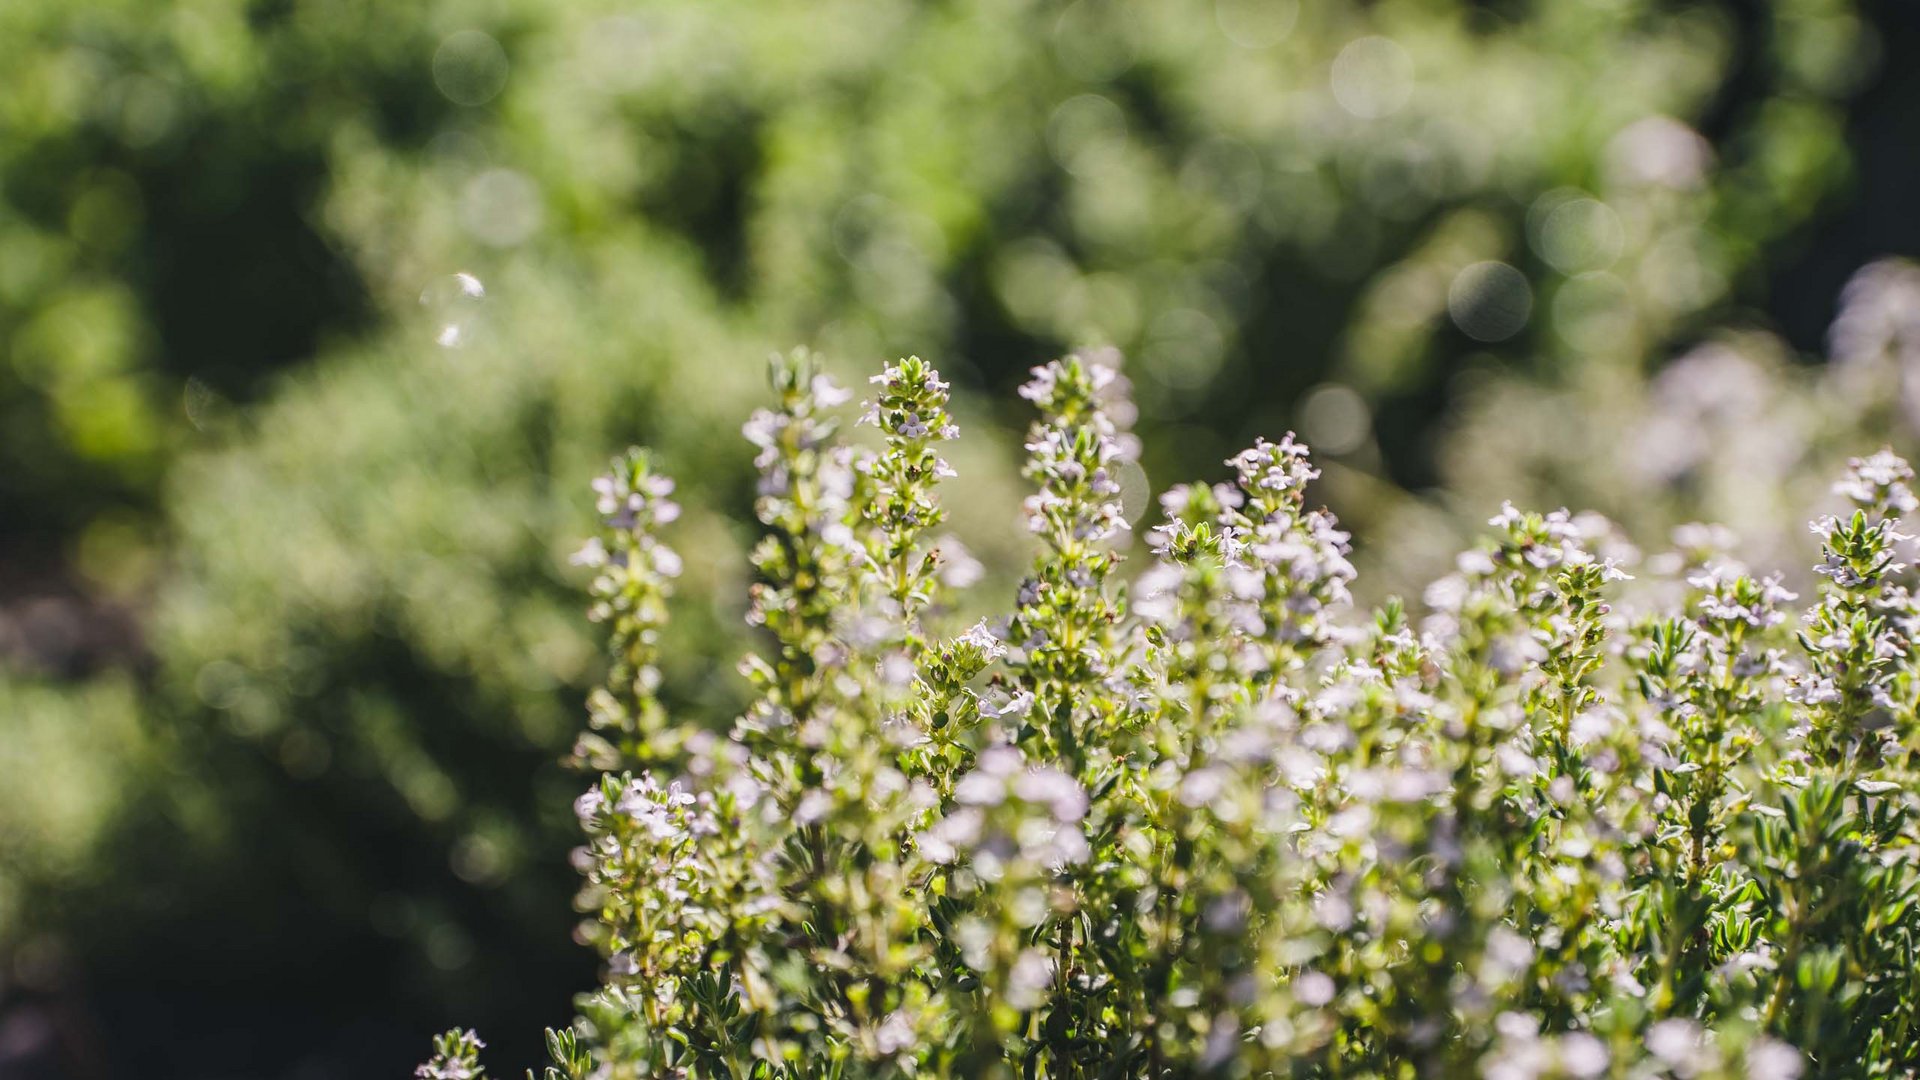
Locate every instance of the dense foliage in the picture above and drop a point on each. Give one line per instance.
(1571, 821)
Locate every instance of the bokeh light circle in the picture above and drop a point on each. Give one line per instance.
(1372, 77)
(470, 67)
(1490, 301)
(1335, 419)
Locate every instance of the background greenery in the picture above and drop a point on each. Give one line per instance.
(288, 640)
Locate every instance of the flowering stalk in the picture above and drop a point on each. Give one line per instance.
(822, 740)
(911, 409)
(1300, 553)
(1064, 623)
(805, 560)
(633, 579)
(456, 1056)
(1710, 678)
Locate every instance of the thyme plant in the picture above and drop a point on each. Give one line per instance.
(1212, 819)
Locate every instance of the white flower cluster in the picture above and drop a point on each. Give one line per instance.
(1011, 818)
(1882, 481)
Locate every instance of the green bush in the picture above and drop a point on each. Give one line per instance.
(1213, 820)
(60, 751)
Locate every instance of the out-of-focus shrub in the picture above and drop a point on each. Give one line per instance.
(62, 752)
(159, 250)
(1251, 198)
(1734, 431)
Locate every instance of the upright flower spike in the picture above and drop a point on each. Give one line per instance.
(1881, 484)
(1207, 750)
(667, 871)
(1708, 680)
(677, 848)
(841, 573)
(1064, 622)
(1577, 633)
(634, 578)
(1530, 600)
(1517, 640)
(1710, 677)
(806, 560)
(910, 408)
(456, 1056)
(1854, 639)
(1202, 605)
(1301, 554)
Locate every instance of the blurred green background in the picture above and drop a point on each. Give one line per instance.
(289, 645)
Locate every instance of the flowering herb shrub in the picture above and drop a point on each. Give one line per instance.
(1213, 820)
